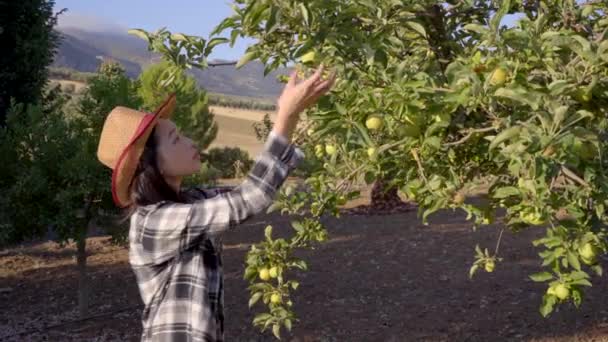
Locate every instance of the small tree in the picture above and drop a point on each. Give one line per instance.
(56, 179)
(263, 128)
(192, 113)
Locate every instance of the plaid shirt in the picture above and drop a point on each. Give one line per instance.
(175, 248)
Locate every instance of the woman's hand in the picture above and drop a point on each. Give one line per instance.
(298, 96)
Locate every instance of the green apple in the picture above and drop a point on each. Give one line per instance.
(499, 77)
(372, 153)
(330, 149)
(561, 291)
(588, 253)
(374, 123)
(273, 272)
(309, 57)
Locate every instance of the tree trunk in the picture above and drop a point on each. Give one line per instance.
(83, 282)
(383, 199)
(81, 259)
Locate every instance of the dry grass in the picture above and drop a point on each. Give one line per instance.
(236, 129)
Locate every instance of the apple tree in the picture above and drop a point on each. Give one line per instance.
(442, 99)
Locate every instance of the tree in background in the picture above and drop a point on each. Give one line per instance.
(192, 113)
(55, 178)
(28, 44)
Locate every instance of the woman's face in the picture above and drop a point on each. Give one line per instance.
(178, 156)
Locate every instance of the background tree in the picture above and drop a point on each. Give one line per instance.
(57, 180)
(192, 113)
(28, 43)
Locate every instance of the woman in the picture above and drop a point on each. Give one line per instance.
(175, 235)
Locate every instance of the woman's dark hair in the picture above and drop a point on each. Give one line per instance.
(148, 185)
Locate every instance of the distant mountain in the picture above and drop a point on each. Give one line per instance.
(83, 50)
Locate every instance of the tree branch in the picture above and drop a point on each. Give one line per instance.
(221, 64)
(570, 174)
(470, 134)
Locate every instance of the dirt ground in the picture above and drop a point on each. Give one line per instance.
(379, 278)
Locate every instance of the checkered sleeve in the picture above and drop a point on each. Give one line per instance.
(174, 227)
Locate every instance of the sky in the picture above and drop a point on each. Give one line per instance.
(197, 17)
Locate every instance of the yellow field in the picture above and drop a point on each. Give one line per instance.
(235, 128)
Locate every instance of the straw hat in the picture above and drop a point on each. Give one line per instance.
(122, 143)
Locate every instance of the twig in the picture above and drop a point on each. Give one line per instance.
(221, 64)
(350, 175)
(568, 173)
(552, 183)
(414, 153)
(300, 132)
(498, 242)
(470, 134)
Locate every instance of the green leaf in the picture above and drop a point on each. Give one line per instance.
(271, 23)
(370, 177)
(140, 34)
(297, 226)
(340, 109)
(256, 296)
(250, 272)
(304, 11)
(179, 37)
(364, 134)
(259, 318)
(301, 264)
(276, 330)
(505, 5)
(473, 270)
(573, 260)
(559, 115)
(520, 95)
(476, 28)
(249, 56)
(434, 142)
(559, 87)
(542, 276)
(268, 232)
(504, 136)
(288, 324)
(506, 192)
(213, 43)
(273, 207)
(588, 9)
(577, 296)
(233, 37)
(440, 203)
(226, 23)
(584, 114)
(547, 306)
(417, 27)
(583, 282)
(576, 275)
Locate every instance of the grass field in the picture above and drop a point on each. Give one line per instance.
(236, 128)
